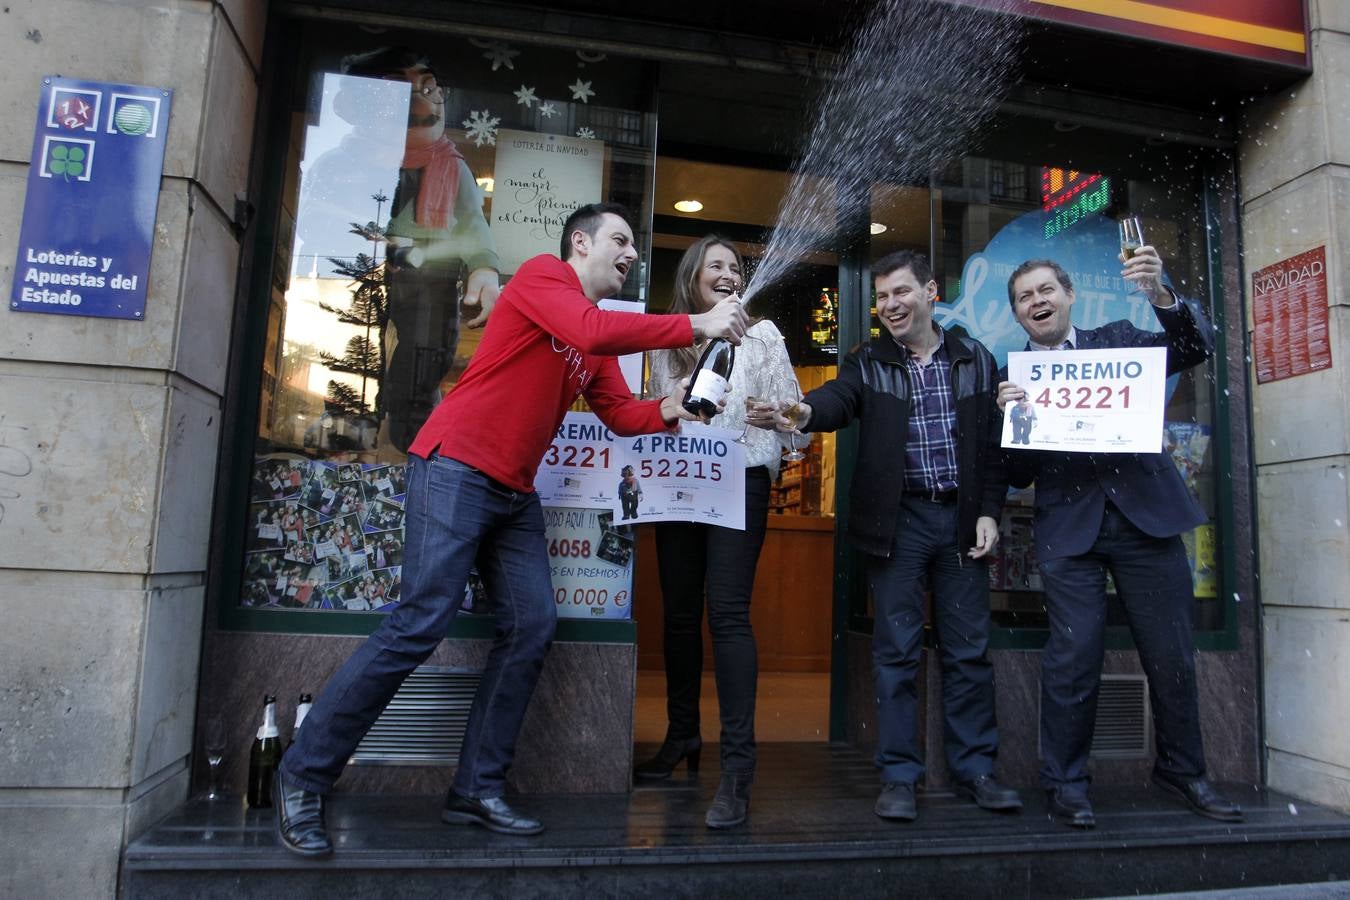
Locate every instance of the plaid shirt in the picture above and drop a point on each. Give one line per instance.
(930, 449)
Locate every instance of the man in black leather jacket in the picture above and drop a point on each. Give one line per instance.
(926, 498)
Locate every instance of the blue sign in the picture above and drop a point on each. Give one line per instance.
(1087, 250)
(89, 218)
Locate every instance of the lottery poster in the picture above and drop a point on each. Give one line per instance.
(591, 561)
(697, 475)
(1088, 401)
(694, 475)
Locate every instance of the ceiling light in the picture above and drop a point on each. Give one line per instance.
(877, 228)
(688, 206)
(487, 184)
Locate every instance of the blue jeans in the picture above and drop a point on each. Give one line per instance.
(455, 516)
(926, 554)
(1153, 581)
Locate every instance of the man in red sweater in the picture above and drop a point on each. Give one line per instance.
(471, 500)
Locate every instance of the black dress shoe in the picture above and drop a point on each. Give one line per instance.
(1070, 805)
(672, 751)
(1200, 796)
(989, 794)
(732, 803)
(492, 813)
(896, 801)
(300, 818)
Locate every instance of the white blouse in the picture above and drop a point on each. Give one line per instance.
(762, 369)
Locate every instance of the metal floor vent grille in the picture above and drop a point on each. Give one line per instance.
(1124, 728)
(424, 723)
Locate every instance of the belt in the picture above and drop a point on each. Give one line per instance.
(944, 497)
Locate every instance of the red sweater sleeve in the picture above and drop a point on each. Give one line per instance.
(549, 293)
(609, 397)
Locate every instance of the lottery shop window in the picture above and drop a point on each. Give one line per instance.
(422, 167)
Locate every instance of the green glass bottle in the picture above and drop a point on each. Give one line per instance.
(263, 757)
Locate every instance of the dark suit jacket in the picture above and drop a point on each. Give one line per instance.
(1072, 488)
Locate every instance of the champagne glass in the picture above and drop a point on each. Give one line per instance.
(751, 402)
(1131, 239)
(797, 416)
(215, 754)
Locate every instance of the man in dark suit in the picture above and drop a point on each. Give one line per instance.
(1117, 512)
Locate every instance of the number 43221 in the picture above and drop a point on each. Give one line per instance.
(1085, 398)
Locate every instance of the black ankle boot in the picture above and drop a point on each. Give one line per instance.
(732, 803)
(669, 756)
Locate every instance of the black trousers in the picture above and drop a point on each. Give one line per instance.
(698, 561)
(1153, 580)
(424, 308)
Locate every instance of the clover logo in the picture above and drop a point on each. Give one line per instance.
(66, 160)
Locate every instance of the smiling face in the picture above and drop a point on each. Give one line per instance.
(602, 260)
(1043, 306)
(905, 307)
(718, 277)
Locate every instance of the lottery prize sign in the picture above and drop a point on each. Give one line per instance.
(1088, 401)
(591, 563)
(595, 486)
(696, 475)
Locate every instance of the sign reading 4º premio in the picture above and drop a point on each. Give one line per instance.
(1089, 401)
(93, 186)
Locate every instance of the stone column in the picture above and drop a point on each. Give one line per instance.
(109, 434)
(1295, 166)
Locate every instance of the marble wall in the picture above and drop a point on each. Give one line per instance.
(577, 737)
(1228, 711)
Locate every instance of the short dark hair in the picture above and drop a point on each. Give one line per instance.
(586, 219)
(1030, 266)
(383, 62)
(917, 263)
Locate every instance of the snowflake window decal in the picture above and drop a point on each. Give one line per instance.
(581, 90)
(547, 110)
(525, 96)
(499, 53)
(481, 127)
(586, 133)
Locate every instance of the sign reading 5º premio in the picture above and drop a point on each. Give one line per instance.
(1089, 401)
(93, 186)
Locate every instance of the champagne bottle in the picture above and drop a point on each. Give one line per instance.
(263, 757)
(710, 381)
(301, 710)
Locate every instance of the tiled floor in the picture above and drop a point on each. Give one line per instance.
(791, 706)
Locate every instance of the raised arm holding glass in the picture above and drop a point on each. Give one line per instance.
(1122, 513)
